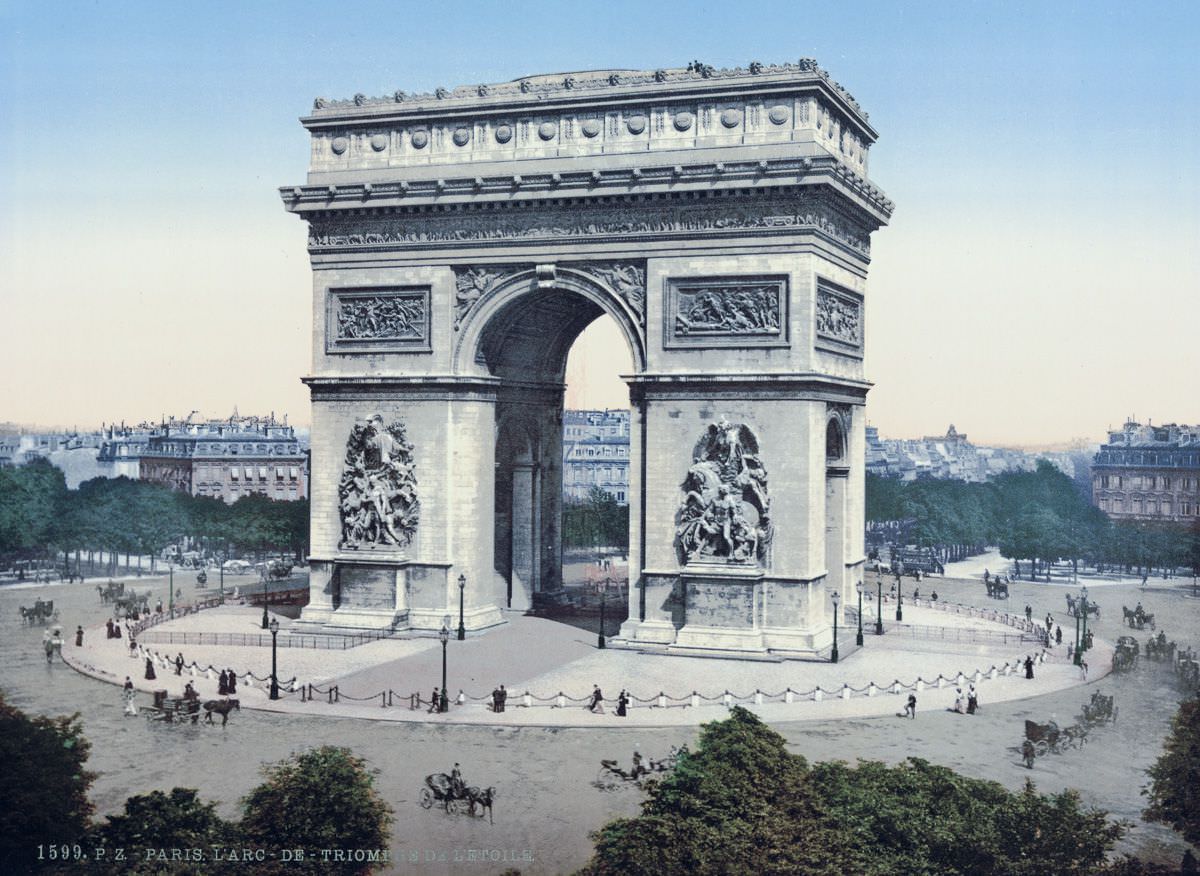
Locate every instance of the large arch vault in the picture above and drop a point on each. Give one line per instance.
(460, 242)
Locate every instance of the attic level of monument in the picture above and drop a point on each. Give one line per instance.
(615, 87)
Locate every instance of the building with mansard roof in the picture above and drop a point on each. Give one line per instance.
(1149, 473)
(227, 459)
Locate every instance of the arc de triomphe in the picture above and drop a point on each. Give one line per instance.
(460, 242)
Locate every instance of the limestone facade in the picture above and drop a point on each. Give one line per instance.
(461, 241)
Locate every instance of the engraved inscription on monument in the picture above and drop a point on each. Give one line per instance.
(725, 514)
(378, 320)
(378, 491)
(711, 311)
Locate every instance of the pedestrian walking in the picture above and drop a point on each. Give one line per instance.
(496, 699)
(596, 706)
(1028, 612)
(223, 684)
(79, 637)
(910, 708)
(232, 682)
(972, 700)
(622, 703)
(461, 699)
(1083, 668)
(179, 664)
(1058, 635)
(108, 625)
(503, 698)
(150, 673)
(434, 701)
(958, 700)
(1028, 666)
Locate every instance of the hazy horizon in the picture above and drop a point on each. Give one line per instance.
(1036, 284)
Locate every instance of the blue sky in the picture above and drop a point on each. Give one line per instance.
(1037, 281)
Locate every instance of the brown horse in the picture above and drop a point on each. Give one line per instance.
(222, 708)
(483, 799)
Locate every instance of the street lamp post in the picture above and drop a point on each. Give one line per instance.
(859, 588)
(444, 635)
(879, 605)
(600, 643)
(833, 655)
(1079, 611)
(266, 621)
(1083, 604)
(171, 588)
(274, 627)
(462, 588)
(899, 598)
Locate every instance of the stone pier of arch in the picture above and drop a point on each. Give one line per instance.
(460, 243)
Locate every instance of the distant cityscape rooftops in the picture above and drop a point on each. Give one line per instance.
(952, 456)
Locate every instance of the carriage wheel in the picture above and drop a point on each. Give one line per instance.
(1041, 748)
(456, 807)
(426, 798)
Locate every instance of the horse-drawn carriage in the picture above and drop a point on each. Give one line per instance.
(996, 589)
(455, 796)
(611, 775)
(1048, 737)
(1126, 654)
(1160, 650)
(173, 710)
(110, 591)
(1074, 605)
(1137, 619)
(1100, 710)
(1187, 669)
(133, 603)
(42, 612)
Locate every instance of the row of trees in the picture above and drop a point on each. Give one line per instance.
(40, 518)
(1031, 516)
(324, 798)
(742, 803)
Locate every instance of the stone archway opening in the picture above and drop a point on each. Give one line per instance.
(526, 343)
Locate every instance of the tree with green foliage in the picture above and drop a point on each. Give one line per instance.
(324, 798)
(1174, 790)
(162, 821)
(43, 786)
(918, 818)
(743, 804)
(738, 804)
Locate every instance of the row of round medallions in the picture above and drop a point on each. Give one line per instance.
(682, 121)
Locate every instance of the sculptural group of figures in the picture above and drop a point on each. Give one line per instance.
(377, 317)
(378, 490)
(742, 311)
(726, 489)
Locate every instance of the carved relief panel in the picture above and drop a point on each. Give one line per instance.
(726, 311)
(839, 319)
(377, 319)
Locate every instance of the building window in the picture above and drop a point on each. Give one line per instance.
(1104, 481)
(262, 472)
(1166, 483)
(233, 473)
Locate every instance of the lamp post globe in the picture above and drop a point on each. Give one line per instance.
(444, 636)
(274, 627)
(462, 589)
(833, 655)
(859, 640)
